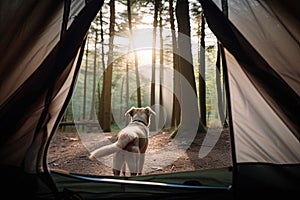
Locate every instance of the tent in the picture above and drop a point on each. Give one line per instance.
(41, 49)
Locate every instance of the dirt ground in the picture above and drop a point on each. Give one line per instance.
(68, 153)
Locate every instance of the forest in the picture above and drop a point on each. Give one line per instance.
(157, 53)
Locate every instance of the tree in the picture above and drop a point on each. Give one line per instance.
(132, 46)
(85, 79)
(106, 104)
(161, 60)
(92, 111)
(202, 86)
(221, 100)
(100, 94)
(198, 14)
(189, 105)
(176, 106)
(152, 93)
(155, 16)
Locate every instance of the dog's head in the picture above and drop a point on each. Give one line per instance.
(140, 114)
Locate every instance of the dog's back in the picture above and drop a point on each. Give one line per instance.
(133, 139)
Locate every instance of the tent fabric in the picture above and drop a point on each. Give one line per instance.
(278, 45)
(262, 53)
(23, 81)
(258, 130)
(268, 179)
(26, 43)
(38, 68)
(264, 105)
(212, 183)
(34, 89)
(41, 48)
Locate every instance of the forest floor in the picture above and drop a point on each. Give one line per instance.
(69, 152)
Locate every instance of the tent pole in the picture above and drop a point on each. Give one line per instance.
(227, 90)
(231, 131)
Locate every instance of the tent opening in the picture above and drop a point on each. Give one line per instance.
(139, 60)
(71, 70)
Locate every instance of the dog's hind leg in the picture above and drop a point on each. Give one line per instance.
(118, 163)
(142, 157)
(141, 163)
(132, 158)
(124, 169)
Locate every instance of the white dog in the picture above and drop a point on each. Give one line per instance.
(131, 143)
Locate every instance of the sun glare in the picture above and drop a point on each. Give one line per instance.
(147, 19)
(145, 57)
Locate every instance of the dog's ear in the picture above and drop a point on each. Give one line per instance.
(149, 111)
(130, 111)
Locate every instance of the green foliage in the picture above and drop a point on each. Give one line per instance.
(76, 108)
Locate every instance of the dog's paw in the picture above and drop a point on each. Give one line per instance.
(92, 157)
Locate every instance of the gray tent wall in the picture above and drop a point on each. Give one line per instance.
(261, 40)
(41, 43)
(40, 56)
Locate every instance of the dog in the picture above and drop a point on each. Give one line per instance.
(131, 143)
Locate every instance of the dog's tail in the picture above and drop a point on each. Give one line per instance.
(105, 150)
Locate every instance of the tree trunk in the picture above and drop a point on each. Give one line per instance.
(176, 91)
(189, 106)
(156, 4)
(221, 99)
(153, 81)
(136, 64)
(108, 74)
(100, 93)
(92, 112)
(161, 67)
(202, 92)
(127, 89)
(85, 79)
